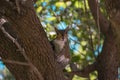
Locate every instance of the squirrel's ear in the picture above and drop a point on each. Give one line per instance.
(67, 29)
(56, 30)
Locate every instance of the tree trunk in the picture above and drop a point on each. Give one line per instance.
(33, 39)
(107, 61)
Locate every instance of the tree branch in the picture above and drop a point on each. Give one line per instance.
(3, 21)
(15, 62)
(33, 68)
(97, 15)
(82, 73)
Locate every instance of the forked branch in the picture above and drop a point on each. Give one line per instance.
(82, 73)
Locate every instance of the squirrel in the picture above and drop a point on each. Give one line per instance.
(60, 47)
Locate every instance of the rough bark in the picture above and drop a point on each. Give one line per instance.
(107, 61)
(33, 39)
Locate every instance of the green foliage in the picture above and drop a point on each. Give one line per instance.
(6, 75)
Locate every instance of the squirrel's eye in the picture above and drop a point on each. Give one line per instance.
(58, 34)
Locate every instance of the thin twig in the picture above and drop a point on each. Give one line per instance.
(98, 23)
(85, 6)
(15, 62)
(2, 21)
(91, 41)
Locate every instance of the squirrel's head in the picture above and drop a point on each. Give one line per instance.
(61, 34)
